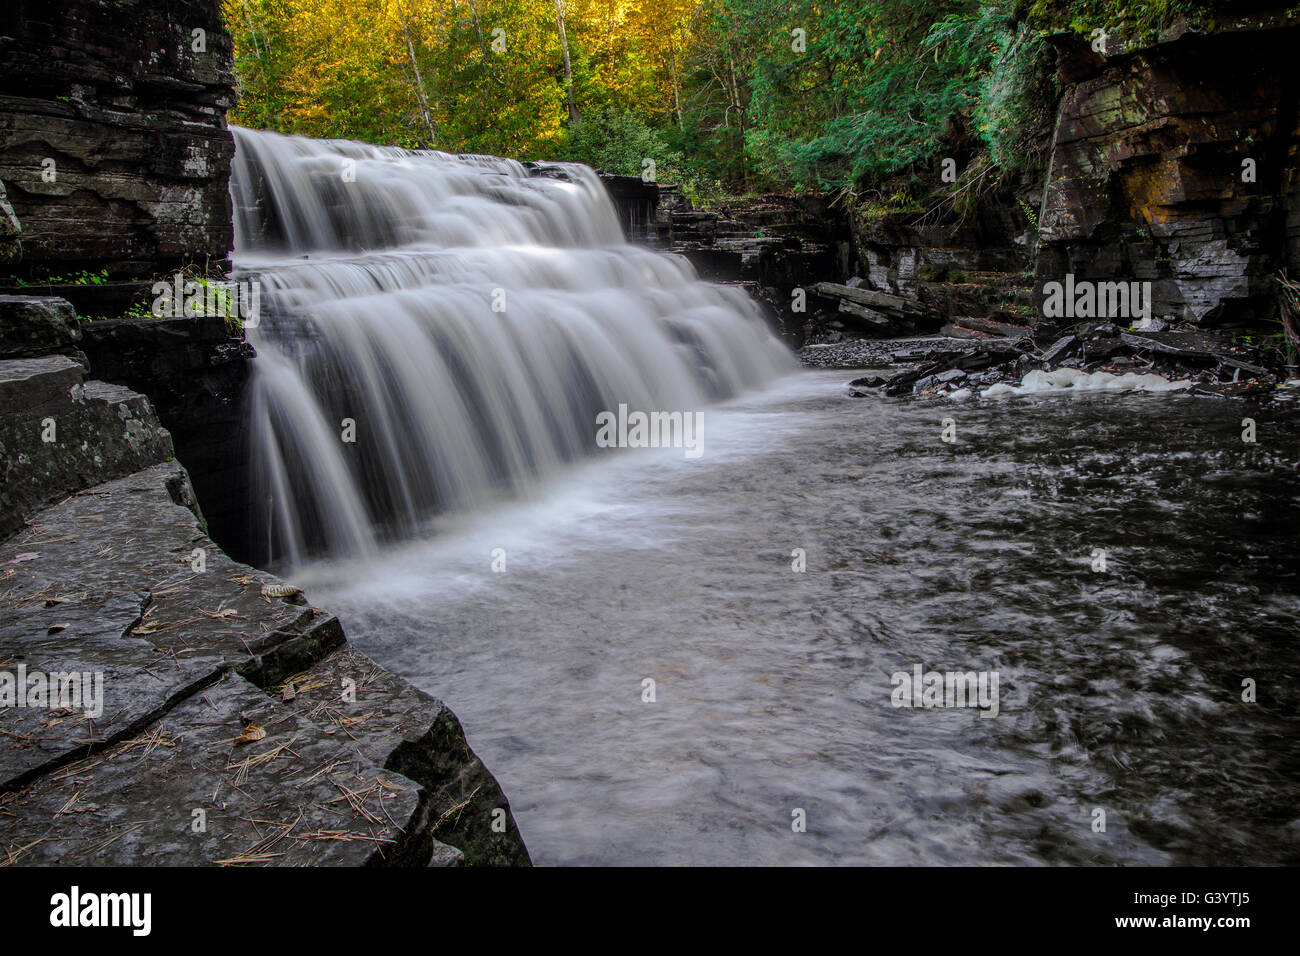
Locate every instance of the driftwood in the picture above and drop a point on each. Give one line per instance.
(1188, 347)
(870, 316)
(880, 301)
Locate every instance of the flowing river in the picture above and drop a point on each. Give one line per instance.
(1120, 691)
(669, 658)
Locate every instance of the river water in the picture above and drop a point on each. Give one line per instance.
(1120, 691)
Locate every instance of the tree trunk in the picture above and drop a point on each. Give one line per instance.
(420, 95)
(677, 85)
(734, 93)
(574, 116)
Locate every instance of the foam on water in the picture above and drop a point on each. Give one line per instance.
(1069, 379)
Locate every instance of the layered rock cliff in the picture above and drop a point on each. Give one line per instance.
(224, 697)
(116, 153)
(1176, 164)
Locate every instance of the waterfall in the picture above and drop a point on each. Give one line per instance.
(462, 319)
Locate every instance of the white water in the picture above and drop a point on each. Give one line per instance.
(471, 319)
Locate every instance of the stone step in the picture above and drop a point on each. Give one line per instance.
(356, 766)
(411, 733)
(185, 791)
(33, 325)
(60, 433)
(27, 383)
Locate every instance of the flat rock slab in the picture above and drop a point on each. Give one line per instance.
(59, 434)
(105, 583)
(185, 649)
(190, 791)
(392, 723)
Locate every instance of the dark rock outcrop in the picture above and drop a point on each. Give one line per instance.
(769, 245)
(60, 433)
(116, 152)
(636, 202)
(195, 371)
(1176, 164)
(969, 271)
(32, 325)
(11, 248)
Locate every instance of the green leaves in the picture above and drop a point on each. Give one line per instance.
(730, 95)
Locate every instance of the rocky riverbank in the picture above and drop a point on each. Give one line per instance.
(162, 703)
(1085, 356)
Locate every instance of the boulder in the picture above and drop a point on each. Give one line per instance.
(37, 325)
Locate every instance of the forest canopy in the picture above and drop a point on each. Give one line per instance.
(723, 95)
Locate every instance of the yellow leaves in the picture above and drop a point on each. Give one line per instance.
(345, 67)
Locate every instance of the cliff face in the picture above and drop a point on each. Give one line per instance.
(116, 152)
(1177, 164)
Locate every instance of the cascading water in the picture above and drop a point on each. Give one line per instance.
(464, 321)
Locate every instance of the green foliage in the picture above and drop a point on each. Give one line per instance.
(732, 96)
(1017, 100)
(76, 278)
(1136, 22)
(621, 142)
(874, 91)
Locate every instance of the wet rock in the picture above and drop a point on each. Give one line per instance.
(192, 655)
(60, 433)
(411, 733)
(1059, 349)
(117, 154)
(294, 797)
(938, 380)
(868, 381)
(36, 325)
(987, 377)
(636, 202)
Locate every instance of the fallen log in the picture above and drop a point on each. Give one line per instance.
(877, 320)
(1004, 329)
(871, 299)
(1190, 347)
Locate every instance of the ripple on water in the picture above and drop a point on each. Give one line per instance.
(1119, 691)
